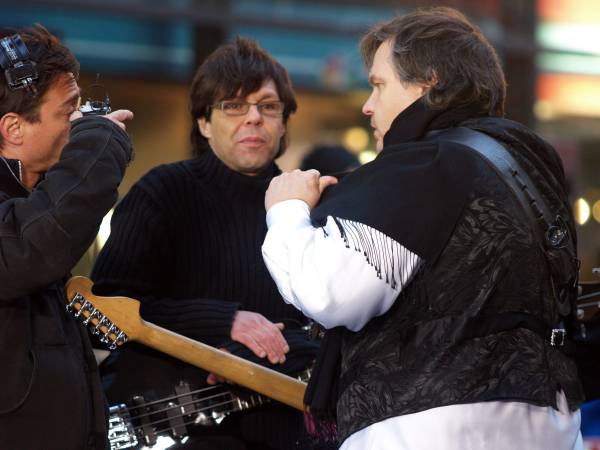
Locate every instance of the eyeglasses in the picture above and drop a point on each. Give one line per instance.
(270, 109)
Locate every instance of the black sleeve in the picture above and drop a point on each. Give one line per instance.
(135, 260)
(44, 235)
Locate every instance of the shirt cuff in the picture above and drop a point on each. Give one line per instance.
(292, 212)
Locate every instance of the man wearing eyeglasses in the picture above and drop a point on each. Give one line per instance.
(186, 241)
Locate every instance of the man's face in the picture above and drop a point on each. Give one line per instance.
(43, 141)
(248, 143)
(390, 96)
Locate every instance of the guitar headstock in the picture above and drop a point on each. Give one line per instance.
(113, 319)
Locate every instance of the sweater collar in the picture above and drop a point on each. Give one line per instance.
(416, 120)
(210, 167)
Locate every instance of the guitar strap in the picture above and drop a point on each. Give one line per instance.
(549, 230)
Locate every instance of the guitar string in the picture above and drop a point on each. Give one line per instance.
(190, 422)
(181, 405)
(233, 400)
(302, 377)
(193, 421)
(174, 397)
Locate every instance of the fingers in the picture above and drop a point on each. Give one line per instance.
(326, 181)
(261, 336)
(297, 184)
(75, 115)
(119, 117)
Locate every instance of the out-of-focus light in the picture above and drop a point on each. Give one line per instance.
(104, 231)
(356, 139)
(575, 95)
(366, 156)
(544, 110)
(579, 11)
(596, 211)
(569, 37)
(569, 63)
(582, 211)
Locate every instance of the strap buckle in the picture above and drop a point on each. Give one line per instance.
(557, 337)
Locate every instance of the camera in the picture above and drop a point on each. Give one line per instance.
(97, 102)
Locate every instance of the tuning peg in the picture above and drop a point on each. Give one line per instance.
(77, 299)
(86, 306)
(102, 321)
(93, 315)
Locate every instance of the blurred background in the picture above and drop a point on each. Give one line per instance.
(146, 52)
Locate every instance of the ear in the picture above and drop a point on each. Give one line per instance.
(432, 80)
(205, 127)
(12, 128)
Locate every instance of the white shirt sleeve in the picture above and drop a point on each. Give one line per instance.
(328, 281)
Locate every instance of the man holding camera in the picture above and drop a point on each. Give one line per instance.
(59, 175)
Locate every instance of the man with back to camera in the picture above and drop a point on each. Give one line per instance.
(186, 242)
(425, 265)
(59, 175)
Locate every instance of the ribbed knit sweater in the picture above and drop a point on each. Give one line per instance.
(186, 241)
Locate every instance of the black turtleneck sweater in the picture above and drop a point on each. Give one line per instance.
(186, 242)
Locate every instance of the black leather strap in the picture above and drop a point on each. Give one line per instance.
(543, 223)
(509, 170)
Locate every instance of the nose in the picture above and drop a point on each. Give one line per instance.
(367, 108)
(253, 115)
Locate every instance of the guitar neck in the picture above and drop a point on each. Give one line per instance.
(117, 319)
(260, 379)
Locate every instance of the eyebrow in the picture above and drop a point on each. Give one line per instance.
(373, 79)
(72, 100)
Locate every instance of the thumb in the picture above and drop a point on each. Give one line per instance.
(326, 181)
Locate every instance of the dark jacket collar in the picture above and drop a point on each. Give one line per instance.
(416, 120)
(10, 178)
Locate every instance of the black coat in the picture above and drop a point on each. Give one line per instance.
(50, 395)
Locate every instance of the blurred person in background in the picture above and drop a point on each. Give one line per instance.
(330, 159)
(423, 265)
(59, 175)
(186, 242)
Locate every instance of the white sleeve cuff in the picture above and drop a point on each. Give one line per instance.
(289, 213)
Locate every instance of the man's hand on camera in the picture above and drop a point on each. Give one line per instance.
(119, 116)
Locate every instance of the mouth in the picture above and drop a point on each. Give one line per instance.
(252, 141)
